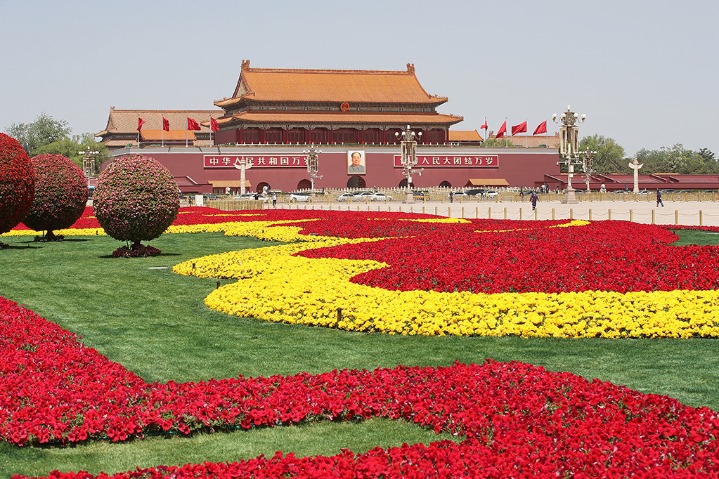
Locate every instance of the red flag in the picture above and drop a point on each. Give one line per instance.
(521, 128)
(192, 124)
(542, 128)
(165, 124)
(140, 122)
(213, 125)
(484, 125)
(502, 130)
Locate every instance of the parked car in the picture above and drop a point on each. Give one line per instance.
(379, 197)
(481, 192)
(362, 196)
(458, 194)
(345, 197)
(300, 197)
(247, 196)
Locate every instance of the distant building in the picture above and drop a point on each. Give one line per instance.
(275, 115)
(122, 128)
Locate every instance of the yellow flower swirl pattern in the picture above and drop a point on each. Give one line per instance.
(273, 284)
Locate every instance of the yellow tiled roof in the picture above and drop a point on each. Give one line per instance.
(464, 135)
(172, 135)
(487, 182)
(125, 121)
(301, 85)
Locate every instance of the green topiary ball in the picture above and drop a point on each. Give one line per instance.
(136, 199)
(60, 194)
(17, 183)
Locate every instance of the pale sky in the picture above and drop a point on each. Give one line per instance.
(645, 72)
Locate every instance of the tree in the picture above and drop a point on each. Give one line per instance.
(71, 148)
(60, 194)
(609, 157)
(497, 142)
(136, 199)
(43, 131)
(677, 159)
(17, 183)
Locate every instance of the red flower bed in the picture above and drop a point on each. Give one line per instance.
(605, 256)
(518, 419)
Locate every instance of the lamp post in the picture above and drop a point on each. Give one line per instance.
(243, 165)
(587, 158)
(313, 165)
(409, 158)
(569, 146)
(88, 163)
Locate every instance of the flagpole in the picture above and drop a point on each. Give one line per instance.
(162, 135)
(186, 131)
(526, 142)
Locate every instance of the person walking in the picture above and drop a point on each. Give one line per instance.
(533, 198)
(659, 198)
(274, 200)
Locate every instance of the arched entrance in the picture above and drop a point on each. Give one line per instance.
(445, 184)
(403, 183)
(262, 186)
(304, 185)
(356, 181)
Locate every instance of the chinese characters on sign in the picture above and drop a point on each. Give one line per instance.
(448, 161)
(257, 161)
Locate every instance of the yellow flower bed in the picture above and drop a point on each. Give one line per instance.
(62, 232)
(274, 285)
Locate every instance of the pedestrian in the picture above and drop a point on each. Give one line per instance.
(451, 196)
(533, 198)
(659, 198)
(274, 200)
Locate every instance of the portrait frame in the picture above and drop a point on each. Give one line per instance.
(354, 168)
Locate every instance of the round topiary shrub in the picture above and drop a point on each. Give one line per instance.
(136, 199)
(17, 183)
(60, 194)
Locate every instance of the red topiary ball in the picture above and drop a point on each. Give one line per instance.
(60, 194)
(17, 183)
(136, 199)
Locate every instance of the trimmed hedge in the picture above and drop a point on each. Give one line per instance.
(136, 199)
(17, 183)
(60, 194)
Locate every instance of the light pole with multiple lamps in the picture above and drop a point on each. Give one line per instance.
(587, 158)
(569, 146)
(409, 158)
(313, 165)
(88, 163)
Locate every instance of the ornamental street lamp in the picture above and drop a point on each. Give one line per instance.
(587, 158)
(88, 163)
(313, 165)
(569, 146)
(409, 158)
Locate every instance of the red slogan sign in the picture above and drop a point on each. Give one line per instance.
(257, 161)
(449, 161)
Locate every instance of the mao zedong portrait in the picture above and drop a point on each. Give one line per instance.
(355, 162)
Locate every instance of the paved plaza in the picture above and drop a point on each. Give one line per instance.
(691, 213)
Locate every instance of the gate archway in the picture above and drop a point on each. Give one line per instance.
(261, 187)
(304, 184)
(356, 182)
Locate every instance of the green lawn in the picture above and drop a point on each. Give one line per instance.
(140, 314)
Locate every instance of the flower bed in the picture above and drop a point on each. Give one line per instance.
(473, 277)
(516, 419)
